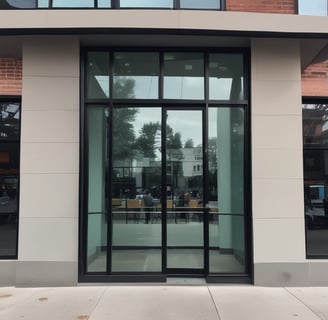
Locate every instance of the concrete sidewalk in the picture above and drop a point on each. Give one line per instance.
(169, 302)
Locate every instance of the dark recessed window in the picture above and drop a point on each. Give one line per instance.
(9, 177)
(315, 163)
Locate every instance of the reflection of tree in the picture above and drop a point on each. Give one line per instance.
(212, 166)
(189, 143)
(9, 120)
(123, 133)
(146, 143)
(315, 118)
(212, 158)
(123, 124)
(174, 155)
(123, 87)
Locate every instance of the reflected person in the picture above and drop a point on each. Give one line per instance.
(148, 205)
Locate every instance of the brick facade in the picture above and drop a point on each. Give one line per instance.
(264, 6)
(315, 80)
(10, 76)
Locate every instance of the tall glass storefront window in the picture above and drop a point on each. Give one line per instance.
(97, 168)
(9, 177)
(136, 187)
(315, 162)
(164, 164)
(226, 189)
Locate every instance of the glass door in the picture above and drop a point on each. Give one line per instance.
(184, 191)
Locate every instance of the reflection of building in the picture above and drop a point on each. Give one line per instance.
(192, 162)
(107, 96)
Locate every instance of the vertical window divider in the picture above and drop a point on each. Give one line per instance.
(164, 192)
(205, 165)
(109, 183)
(161, 76)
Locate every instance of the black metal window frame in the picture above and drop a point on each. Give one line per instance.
(114, 4)
(166, 104)
(14, 99)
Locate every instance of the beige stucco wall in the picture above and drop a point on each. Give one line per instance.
(277, 167)
(48, 226)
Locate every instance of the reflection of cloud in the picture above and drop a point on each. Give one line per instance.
(188, 123)
(146, 115)
(184, 88)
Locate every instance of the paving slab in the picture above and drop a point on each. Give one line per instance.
(249, 302)
(156, 302)
(315, 298)
(51, 303)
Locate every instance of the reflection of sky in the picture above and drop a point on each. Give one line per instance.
(313, 7)
(188, 123)
(183, 87)
(146, 115)
(145, 87)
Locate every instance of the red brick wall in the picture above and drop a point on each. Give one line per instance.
(264, 6)
(10, 76)
(315, 80)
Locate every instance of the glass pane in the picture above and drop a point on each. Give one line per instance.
(104, 4)
(203, 4)
(313, 7)
(184, 184)
(97, 133)
(136, 75)
(226, 188)
(183, 76)
(316, 202)
(9, 121)
(9, 179)
(146, 3)
(73, 3)
(315, 125)
(97, 72)
(136, 190)
(21, 3)
(43, 3)
(226, 72)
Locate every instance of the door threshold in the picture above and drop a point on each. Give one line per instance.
(174, 280)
